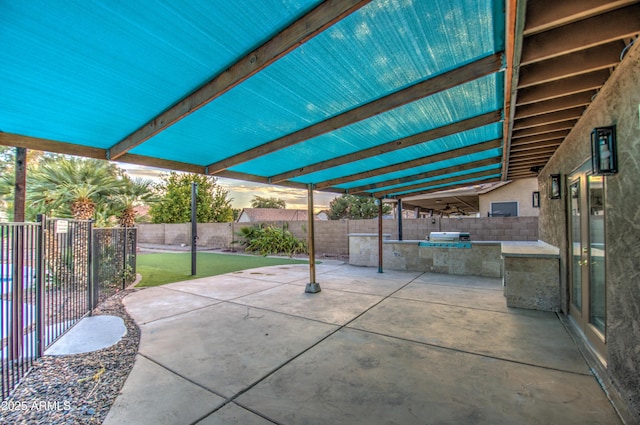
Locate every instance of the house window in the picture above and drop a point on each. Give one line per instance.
(504, 209)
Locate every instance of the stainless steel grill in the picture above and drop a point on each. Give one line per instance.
(449, 237)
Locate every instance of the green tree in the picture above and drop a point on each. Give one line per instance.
(65, 186)
(355, 208)
(134, 192)
(174, 205)
(264, 202)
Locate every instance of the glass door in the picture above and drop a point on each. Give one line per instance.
(587, 256)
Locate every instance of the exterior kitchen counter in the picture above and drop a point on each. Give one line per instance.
(531, 275)
(530, 271)
(529, 249)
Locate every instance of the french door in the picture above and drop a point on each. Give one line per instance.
(587, 292)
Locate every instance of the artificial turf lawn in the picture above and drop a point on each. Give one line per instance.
(158, 269)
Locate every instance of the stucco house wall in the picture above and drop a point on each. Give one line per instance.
(519, 191)
(618, 103)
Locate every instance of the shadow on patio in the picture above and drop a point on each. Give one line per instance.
(394, 348)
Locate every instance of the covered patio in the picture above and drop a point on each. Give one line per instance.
(388, 99)
(395, 348)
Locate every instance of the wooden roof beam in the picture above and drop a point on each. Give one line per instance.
(405, 142)
(418, 186)
(298, 33)
(538, 138)
(565, 115)
(428, 174)
(449, 187)
(532, 146)
(565, 87)
(16, 140)
(35, 143)
(600, 29)
(553, 105)
(543, 129)
(582, 62)
(482, 67)
(467, 150)
(543, 15)
(534, 153)
(530, 161)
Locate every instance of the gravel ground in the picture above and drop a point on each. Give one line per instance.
(75, 389)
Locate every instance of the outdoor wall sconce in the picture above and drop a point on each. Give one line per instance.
(535, 199)
(555, 187)
(604, 158)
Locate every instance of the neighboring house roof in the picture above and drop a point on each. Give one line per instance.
(271, 214)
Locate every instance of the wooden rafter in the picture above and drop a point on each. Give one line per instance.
(553, 105)
(458, 76)
(582, 62)
(543, 15)
(422, 176)
(534, 153)
(538, 138)
(9, 139)
(544, 129)
(403, 143)
(532, 146)
(565, 87)
(449, 187)
(559, 116)
(301, 31)
(35, 143)
(467, 150)
(446, 180)
(600, 29)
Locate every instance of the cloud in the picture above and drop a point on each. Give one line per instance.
(242, 192)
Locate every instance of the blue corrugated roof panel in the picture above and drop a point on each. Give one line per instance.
(100, 69)
(377, 50)
(461, 102)
(455, 141)
(458, 160)
(444, 186)
(398, 187)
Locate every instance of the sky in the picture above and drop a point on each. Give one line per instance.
(242, 192)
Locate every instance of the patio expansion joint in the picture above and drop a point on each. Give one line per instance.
(182, 313)
(168, 369)
(233, 398)
(458, 350)
(523, 313)
(475, 288)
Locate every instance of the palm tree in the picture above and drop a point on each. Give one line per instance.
(67, 186)
(134, 193)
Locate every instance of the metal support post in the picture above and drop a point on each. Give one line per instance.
(194, 226)
(312, 287)
(399, 219)
(379, 235)
(40, 252)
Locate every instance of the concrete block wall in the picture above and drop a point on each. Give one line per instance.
(332, 236)
(215, 235)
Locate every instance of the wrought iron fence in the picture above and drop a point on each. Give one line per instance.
(66, 277)
(19, 269)
(114, 261)
(54, 273)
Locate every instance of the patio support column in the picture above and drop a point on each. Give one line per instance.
(312, 287)
(379, 202)
(399, 219)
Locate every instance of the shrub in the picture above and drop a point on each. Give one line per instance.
(269, 240)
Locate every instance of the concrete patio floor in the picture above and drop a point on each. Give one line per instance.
(393, 348)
